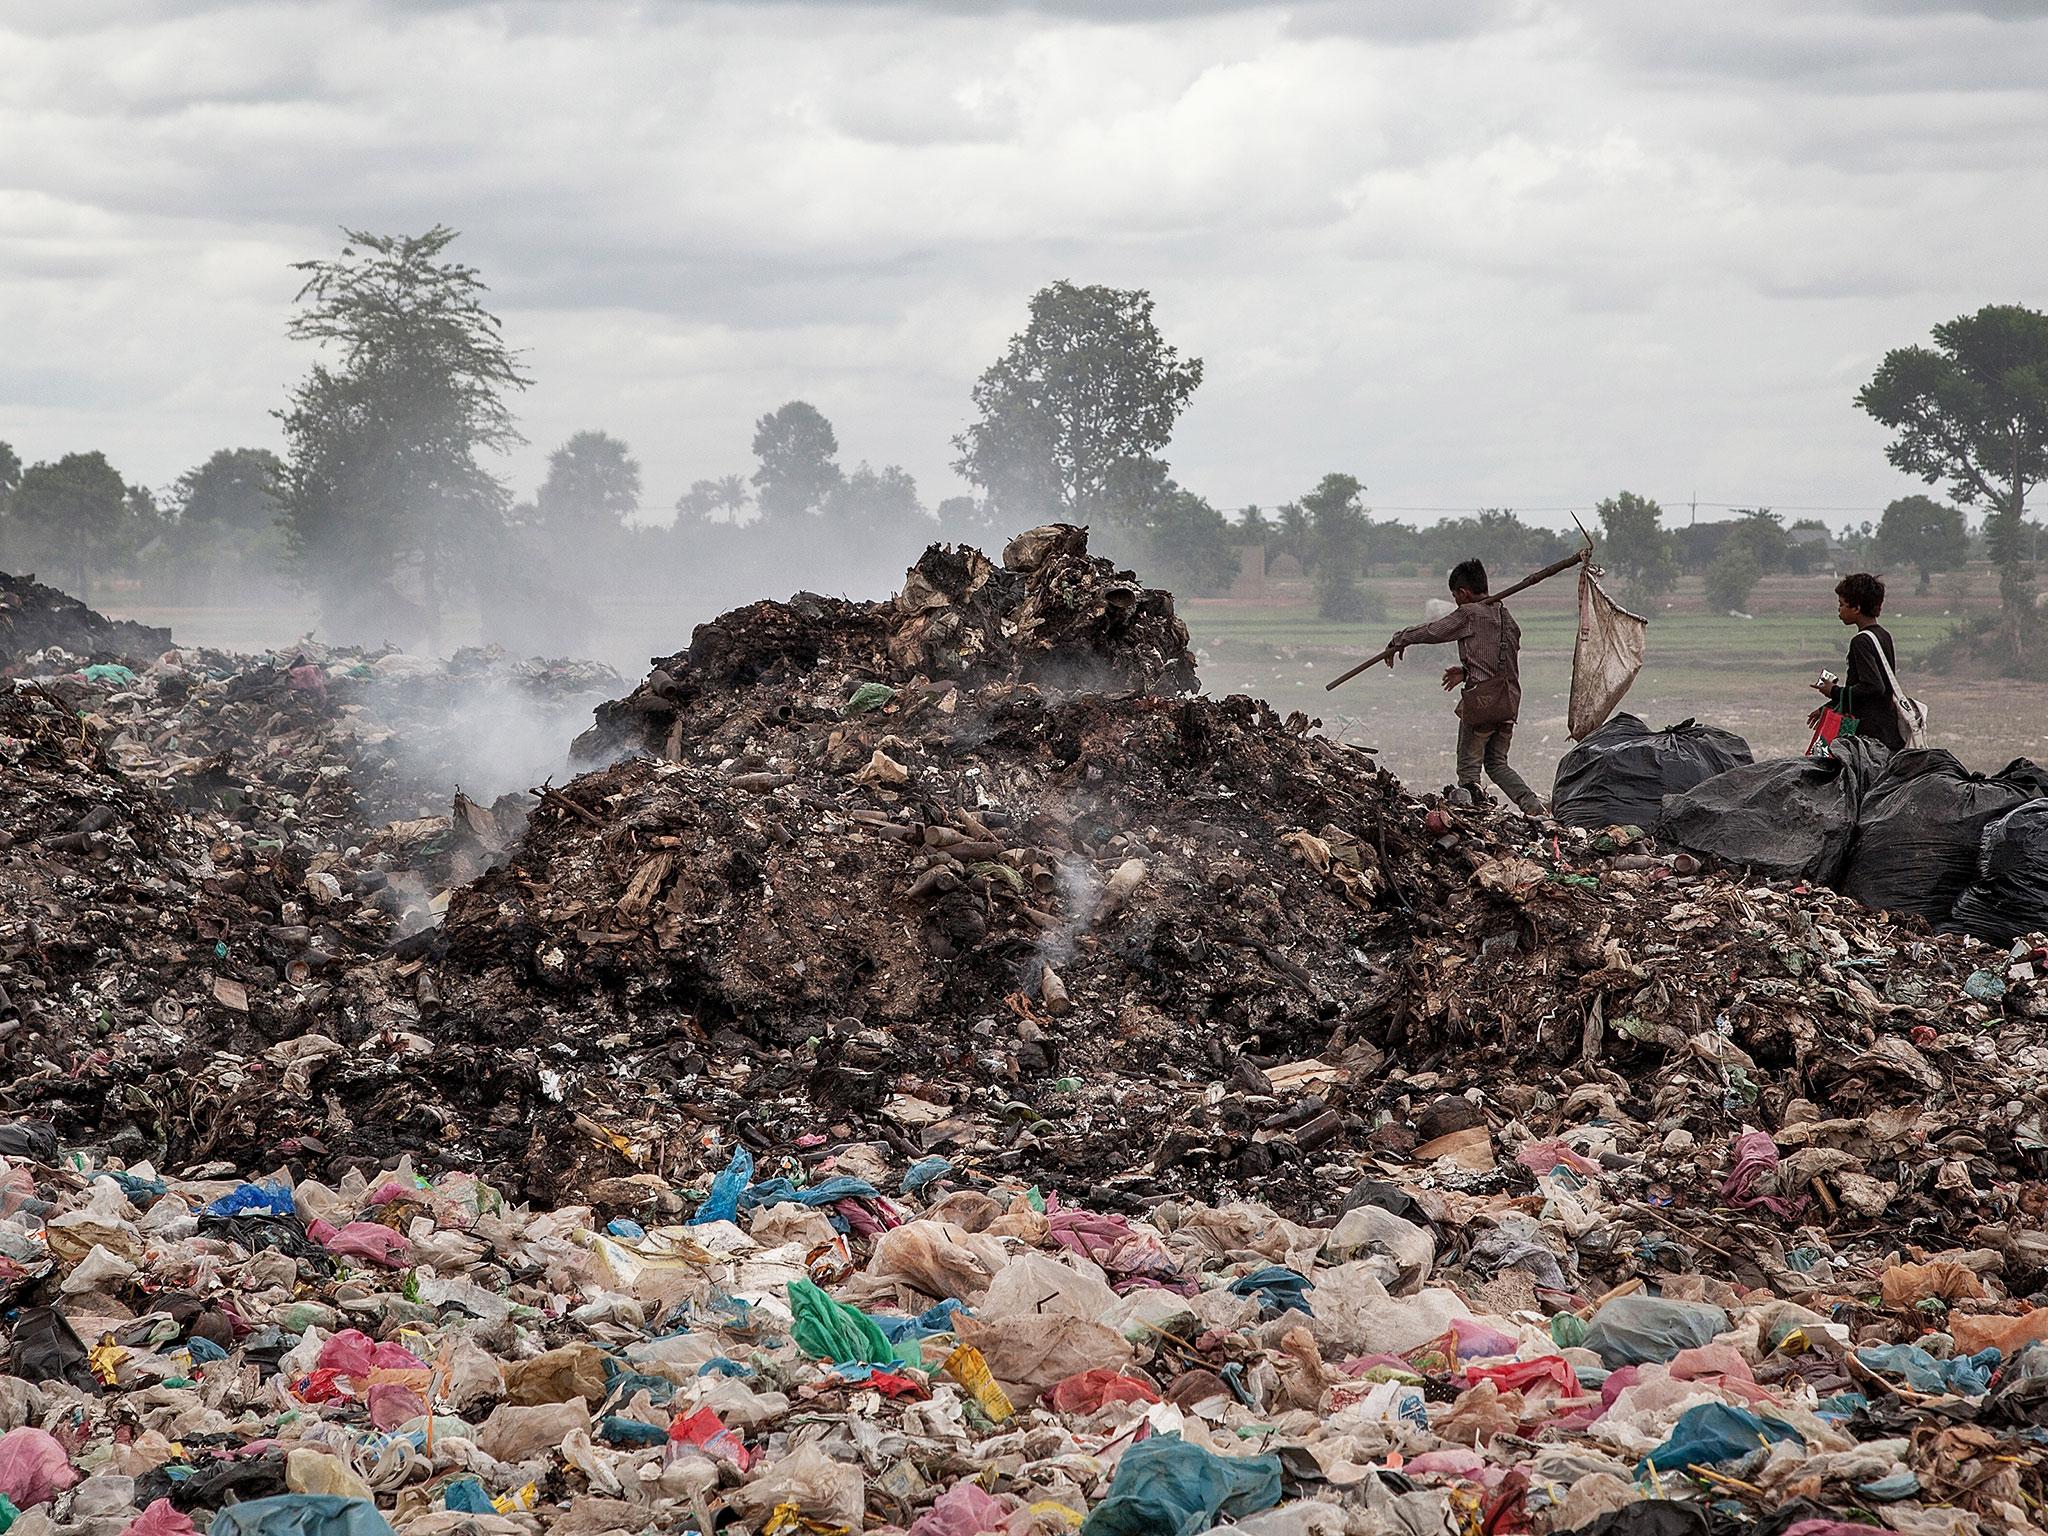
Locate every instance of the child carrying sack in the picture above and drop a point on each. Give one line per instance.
(1912, 713)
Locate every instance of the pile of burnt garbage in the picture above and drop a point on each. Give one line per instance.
(936, 1070)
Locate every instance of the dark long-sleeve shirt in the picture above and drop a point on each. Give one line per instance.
(1867, 693)
(1477, 627)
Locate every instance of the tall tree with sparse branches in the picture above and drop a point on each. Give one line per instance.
(382, 479)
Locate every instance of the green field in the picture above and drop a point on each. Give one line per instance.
(1749, 675)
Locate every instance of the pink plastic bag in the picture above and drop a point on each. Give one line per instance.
(965, 1509)
(369, 1242)
(392, 1405)
(161, 1519)
(33, 1467)
(352, 1352)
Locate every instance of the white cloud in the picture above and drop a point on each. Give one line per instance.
(1482, 251)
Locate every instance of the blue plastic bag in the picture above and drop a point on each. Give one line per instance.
(1165, 1486)
(1966, 1375)
(1713, 1432)
(825, 1192)
(301, 1514)
(924, 1171)
(255, 1200)
(1278, 1288)
(468, 1495)
(723, 1203)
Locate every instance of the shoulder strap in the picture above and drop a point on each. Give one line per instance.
(1883, 660)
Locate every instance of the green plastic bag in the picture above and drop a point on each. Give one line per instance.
(830, 1330)
(869, 696)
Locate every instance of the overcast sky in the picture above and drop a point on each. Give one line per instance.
(1477, 252)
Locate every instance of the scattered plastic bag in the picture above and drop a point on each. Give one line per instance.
(34, 1467)
(965, 1509)
(1716, 1432)
(940, 1260)
(1165, 1486)
(810, 1482)
(1639, 1329)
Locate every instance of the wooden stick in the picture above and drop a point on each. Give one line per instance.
(1373, 662)
(1545, 574)
(1495, 597)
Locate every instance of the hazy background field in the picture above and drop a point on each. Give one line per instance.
(1749, 675)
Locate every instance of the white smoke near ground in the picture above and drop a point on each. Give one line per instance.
(1081, 895)
(494, 738)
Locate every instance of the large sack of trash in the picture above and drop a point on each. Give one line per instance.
(1789, 818)
(2009, 897)
(1923, 821)
(1619, 775)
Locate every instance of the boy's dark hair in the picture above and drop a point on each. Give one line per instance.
(1862, 590)
(1470, 575)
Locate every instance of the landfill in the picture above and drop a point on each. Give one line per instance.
(934, 1070)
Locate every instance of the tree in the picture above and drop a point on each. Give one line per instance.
(1085, 392)
(1296, 534)
(799, 469)
(10, 477)
(1251, 526)
(968, 520)
(1732, 576)
(1341, 530)
(381, 475)
(1495, 536)
(235, 489)
(1638, 549)
(1972, 411)
(592, 486)
(1762, 533)
(1923, 533)
(71, 512)
(879, 506)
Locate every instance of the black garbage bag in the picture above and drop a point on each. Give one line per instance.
(1786, 818)
(287, 1234)
(2009, 897)
(1923, 819)
(43, 1347)
(32, 1139)
(1619, 775)
(1648, 1517)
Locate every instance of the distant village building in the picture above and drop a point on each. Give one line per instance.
(1823, 551)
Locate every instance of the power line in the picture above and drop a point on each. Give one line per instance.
(1510, 506)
